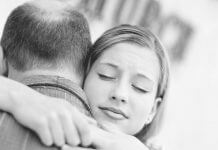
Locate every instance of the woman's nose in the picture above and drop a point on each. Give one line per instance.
(120, 93)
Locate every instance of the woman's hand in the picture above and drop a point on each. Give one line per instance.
(67, 147)
(55, 121)
(106, 140)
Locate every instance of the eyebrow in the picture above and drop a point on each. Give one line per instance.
(109, 64)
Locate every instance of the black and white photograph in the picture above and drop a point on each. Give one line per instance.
(108, 74)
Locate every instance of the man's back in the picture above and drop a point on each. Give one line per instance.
(16, 137)
(43, 36)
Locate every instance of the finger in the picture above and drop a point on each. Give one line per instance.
(46, 137)
(91, 120)
(70, 131)
(56, 130)
(99, 137)
(82, 126)
(43, 131)
(78, 113)
(67, 147)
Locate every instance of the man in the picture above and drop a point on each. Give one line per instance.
(43, 43)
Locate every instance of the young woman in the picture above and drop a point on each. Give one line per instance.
(126, 83)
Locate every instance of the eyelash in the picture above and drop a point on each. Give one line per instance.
(139, 89)
(104, 77)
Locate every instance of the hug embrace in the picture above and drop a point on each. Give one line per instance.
(63, 92)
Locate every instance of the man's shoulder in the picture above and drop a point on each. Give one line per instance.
(54, 83)
(59, 87)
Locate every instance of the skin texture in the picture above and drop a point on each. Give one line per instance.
(124, 77)
(121, 87)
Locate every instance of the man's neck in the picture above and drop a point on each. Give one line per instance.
(65, 73)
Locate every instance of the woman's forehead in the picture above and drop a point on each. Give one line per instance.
(135, 58)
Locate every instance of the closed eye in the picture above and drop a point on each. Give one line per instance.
(105, 77)
(138, 89)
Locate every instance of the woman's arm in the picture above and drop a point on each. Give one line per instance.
(107, 140)
(58, 122)
(54, 120)
(7, 89)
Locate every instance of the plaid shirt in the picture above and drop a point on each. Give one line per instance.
(14, 136)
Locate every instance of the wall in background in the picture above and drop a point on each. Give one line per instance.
(191, 122)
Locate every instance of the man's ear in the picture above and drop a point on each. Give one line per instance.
(3, 63)
(153, 112)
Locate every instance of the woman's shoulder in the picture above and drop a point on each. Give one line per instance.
(154, 144)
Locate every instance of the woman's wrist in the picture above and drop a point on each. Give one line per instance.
(6, 101)
(9, 90)
(13, 100)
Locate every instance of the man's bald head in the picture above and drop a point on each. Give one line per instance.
(51, 10)
(45, 33)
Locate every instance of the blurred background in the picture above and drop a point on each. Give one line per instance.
(189, 31)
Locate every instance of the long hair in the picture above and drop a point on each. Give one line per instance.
(145, 38)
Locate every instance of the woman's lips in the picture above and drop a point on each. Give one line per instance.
(114, 113)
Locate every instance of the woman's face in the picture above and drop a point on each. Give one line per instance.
(121, 87)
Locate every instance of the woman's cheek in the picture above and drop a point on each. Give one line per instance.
(101, 89)
(94, 89)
